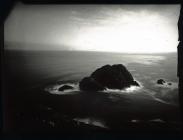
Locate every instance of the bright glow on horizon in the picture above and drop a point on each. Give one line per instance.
(140, 34)
(106, 28)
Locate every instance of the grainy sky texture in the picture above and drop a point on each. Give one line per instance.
(111, 28)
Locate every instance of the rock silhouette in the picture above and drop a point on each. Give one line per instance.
(169, 84)
(89, 84)
(161, 81)
(112, 77)
(65, 87)
(135, 83)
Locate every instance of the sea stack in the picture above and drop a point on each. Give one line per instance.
(113, 77)
(161, 81)
(65, 87)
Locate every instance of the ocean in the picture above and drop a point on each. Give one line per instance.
(32, 79)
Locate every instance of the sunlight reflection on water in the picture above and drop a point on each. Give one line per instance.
(148, 59)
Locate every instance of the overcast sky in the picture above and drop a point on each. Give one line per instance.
(113, 28)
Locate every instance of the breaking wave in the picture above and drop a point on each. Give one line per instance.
(126, 90)
(91, 121)
(54, 89)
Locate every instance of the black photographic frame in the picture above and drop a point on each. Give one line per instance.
(8, 5)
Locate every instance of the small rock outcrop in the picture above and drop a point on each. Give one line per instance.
(113, 77)
(169, 84)
(65, 87)
(161, 81)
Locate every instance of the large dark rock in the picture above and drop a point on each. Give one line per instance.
(65, 87)
(89, 84)
(113, 77)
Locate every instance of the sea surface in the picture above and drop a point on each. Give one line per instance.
(46, 71)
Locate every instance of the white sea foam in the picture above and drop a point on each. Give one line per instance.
(54, 89)
(126, 90)
(91, 121)
(135, 121)
(157, 120)
(130, 89)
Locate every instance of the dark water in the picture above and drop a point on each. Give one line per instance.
(47, 70)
